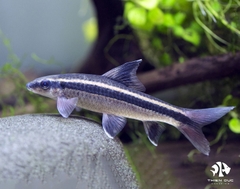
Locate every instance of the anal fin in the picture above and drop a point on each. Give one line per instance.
(153, 130)
(112, 124)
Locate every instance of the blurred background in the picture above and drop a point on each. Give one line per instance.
(43, 32)
(190, 52)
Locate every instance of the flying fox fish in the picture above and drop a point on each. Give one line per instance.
(118, 94)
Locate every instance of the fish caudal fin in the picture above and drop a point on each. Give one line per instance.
(206, 116)
(201, 117)
(196, 137)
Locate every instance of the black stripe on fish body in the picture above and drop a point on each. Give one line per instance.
(107, 92)
(121, 84)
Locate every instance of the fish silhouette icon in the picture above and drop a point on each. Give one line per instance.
(221, 168)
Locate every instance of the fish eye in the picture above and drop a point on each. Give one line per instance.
(45, 84)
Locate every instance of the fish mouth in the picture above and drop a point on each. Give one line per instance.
(28, 86)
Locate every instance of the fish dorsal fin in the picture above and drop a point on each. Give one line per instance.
(112, 124)
(66, 106)
(153, 131)
(126, 74)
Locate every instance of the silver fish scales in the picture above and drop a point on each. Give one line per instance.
(118, 94)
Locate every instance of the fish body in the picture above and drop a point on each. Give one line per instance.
(118, 94)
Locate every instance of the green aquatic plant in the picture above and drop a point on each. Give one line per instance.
(210, 14)
(234, 121)
(174, 30)
(15, 99)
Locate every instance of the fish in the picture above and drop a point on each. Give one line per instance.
(118, 95)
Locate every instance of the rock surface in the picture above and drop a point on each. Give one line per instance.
(48, 151)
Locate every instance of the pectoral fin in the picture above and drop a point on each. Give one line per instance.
(112, 124)
(153, 131)
(66, 106)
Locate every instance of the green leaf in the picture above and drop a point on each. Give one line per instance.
(157, 43)
(137, 16)
(234, 125)
(216, 6)
(191, 36)
(179, 18)
(156, 16)
(6, 68)
(229, 100)
(178, 31)
(181, 59)
(90, 29)
(128, 6)
(169, 20)
(195, 26)
(167, 3)
(6, 42)
(165, 59)
(233, 24)
(147, 4)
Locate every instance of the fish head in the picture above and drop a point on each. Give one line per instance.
(46, 86)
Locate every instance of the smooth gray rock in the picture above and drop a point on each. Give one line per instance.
(48, 151)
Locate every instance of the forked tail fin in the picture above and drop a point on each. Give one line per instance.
(201, 117)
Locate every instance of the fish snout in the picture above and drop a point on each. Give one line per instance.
(29, 86)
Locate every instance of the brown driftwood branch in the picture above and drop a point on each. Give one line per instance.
(192, 71)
